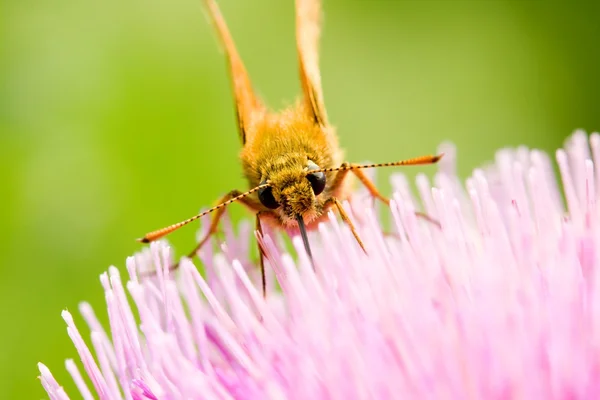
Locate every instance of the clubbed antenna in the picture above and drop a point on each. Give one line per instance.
(152, 236)
(424, 160)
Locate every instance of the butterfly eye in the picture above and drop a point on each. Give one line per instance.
(317, 179)
(265, 195)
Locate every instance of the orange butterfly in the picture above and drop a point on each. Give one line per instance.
(292, 159)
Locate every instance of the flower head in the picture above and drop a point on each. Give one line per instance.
(502, 301)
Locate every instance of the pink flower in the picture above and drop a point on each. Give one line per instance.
(502, 302)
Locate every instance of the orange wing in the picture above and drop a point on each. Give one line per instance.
(246, 101)
(308, 30)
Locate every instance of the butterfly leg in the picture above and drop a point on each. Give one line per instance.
(214, 224)
(345, 218)
(376, 194)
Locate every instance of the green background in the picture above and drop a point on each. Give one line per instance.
(116, 118)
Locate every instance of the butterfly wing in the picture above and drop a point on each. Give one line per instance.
(308, 31)
(246, 103)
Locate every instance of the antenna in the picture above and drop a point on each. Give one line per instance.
(157, 234)
(423, 160)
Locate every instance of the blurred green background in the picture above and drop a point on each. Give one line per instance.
(116, 118)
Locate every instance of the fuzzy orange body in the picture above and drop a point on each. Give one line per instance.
(277, 149)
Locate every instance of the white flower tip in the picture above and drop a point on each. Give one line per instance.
(85, 308)
(447, 157)
(44, 371)
(447, 149)
(478, 174)
(67, 317)
(159, 245)
(69, 364)
(422, 179)
(561, 156)
(220, 259)
(579, 134)
(186, 263)
(113, 271)
(131, 267)
(105, 281)
(595, 140)
(536, 156)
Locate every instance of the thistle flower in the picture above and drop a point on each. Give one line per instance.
(501, 302)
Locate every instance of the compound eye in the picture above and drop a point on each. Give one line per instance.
(265, 195)
(317, 179)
